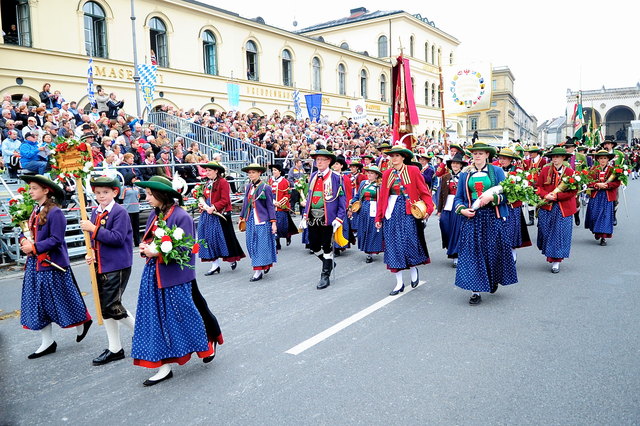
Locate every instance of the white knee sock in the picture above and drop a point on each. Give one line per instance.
(113, 334)
(214, 265)
(129, 321)
(555, 265)
(514, 254)
(414, 273)
(328, 255)
(47, 338)
(398, 281)
(256, 274)
(162, 372)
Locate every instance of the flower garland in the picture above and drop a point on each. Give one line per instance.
(173, 245)
(62, 146)
(21, 206)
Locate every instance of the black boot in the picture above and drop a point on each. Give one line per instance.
(615, 219)
(278, 246)
(531, 215)
(576, 217)
(327, 267)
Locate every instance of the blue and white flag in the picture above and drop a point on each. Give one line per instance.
(91, 92)
(233, 92)
(296, 104)
(314, 106)
(147, 82)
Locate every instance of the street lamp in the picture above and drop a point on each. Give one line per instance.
(136, 76)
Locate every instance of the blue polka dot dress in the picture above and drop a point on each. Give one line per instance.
(404, 243)
(210, 230)
(50, 297)
(517, 231)
(261, 244)
(369, 238)
(168, 326)
(599, 217)
(554, 234)
(450, 225)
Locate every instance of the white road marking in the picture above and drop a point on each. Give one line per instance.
(309, 343)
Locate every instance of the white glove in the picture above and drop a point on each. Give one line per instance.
(303, 223)
(336, 224)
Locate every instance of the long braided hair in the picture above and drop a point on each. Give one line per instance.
(46, 206)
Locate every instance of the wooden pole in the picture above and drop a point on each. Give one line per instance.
(441, 97)
(90, 253)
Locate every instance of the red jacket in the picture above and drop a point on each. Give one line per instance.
(280, 193)
(414, 186)
(612, 187)
(528, 163)
(545, 185)
(348, 187)
(219, 195)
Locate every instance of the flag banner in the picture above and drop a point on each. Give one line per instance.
(359, 111)
(233, 92)
(296, 104)
(405, 114)
(147, 75)
(314, 105)
(467, 87)
(91, 91)
(578, 120)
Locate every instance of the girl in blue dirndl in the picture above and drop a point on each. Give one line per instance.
(484, 249)
(369, 237)
(450, 221)
(604, 189)
(259, 217)
(50, 293)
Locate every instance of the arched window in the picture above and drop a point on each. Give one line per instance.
(159, 46)
(411, 43)
(383, 88)
(252, 61)
(451, 58)
(286, 68)
(433, 95)
(342, 78)
(426, 52)
(382, 47)
(439, 54)
(95, 30)
(426, 93)
(363, 84)
(433, 53)
(210, 52)
(316, 82)
(438, 96)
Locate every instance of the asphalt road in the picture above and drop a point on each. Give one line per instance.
(552, 349)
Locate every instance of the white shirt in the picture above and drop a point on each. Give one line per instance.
(108, 208)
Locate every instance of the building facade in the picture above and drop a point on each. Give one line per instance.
(200, 48)
(506, 119)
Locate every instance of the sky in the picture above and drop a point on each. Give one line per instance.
(550, 46)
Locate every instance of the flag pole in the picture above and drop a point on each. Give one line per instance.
(441, 98)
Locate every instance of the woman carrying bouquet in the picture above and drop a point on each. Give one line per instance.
(554, 217)
(450, 222)
(172, 319)
(258, 216)
(369, 238)
(281, 200)
(50, 293)
(215, 226)
(484, 249)
(516, 225)
(604, 193)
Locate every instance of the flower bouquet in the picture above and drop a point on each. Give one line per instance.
(519, 185)
(20, 208)
(302, 186)
(621, 173)
(173, 245)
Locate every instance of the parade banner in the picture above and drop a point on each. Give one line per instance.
(296, 104)
(359, 111)
(314, 106)
(148, 75)
(91, 92)
(233, 93)
(467, 87)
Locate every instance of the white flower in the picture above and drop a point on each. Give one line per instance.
(518, 178)
(178, 233)
(153, 248)
(578, 178)
(525, 183)
(519, 170)
(159, 233)
(166, 247)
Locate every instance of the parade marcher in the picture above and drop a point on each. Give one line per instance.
(426, 168)
(450, 222)
(112, 241)
(604, 192)
(325, 212)
(402, 192)
(356, 178)
(215, 226)
(296, 172)
(515, 224)
(172, 318)
(618, 160)
(554, 217)
(282, 202)
(258, 216)
(367, 160)
(363, 212)
(50, 293)
(339, 166)
(534, 163)
(577, 162)
(454, 149)
(383, 161)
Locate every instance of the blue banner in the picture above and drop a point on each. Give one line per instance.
(147, 75)
(91, 92)
(314, 106)
(296, 104)
(233, 92)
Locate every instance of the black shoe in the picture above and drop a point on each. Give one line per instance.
(603, 242)
(210, 358)
(215, 271)
(531, 217)
(577, 218)
(555, 270)
(475, 299)
(615, 221)
(278, 246)
(369, 259)
(150, 382)
(396, 292)
(234, 265)
(337, 252)
(107, 356)
(288, 241)
(51, 349)
(85, 328)
(254, 279)
(327, 267)
(266, 271)
(415, 283)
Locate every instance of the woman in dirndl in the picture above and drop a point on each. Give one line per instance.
(281, 200)
(515, 223)
(555, 224)
(363, 212)
(484, 249)
(50, 293)
(450, 222)
(403, 190)
(215, 226)
(604, 193)
(258, 217)
(173, 320)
